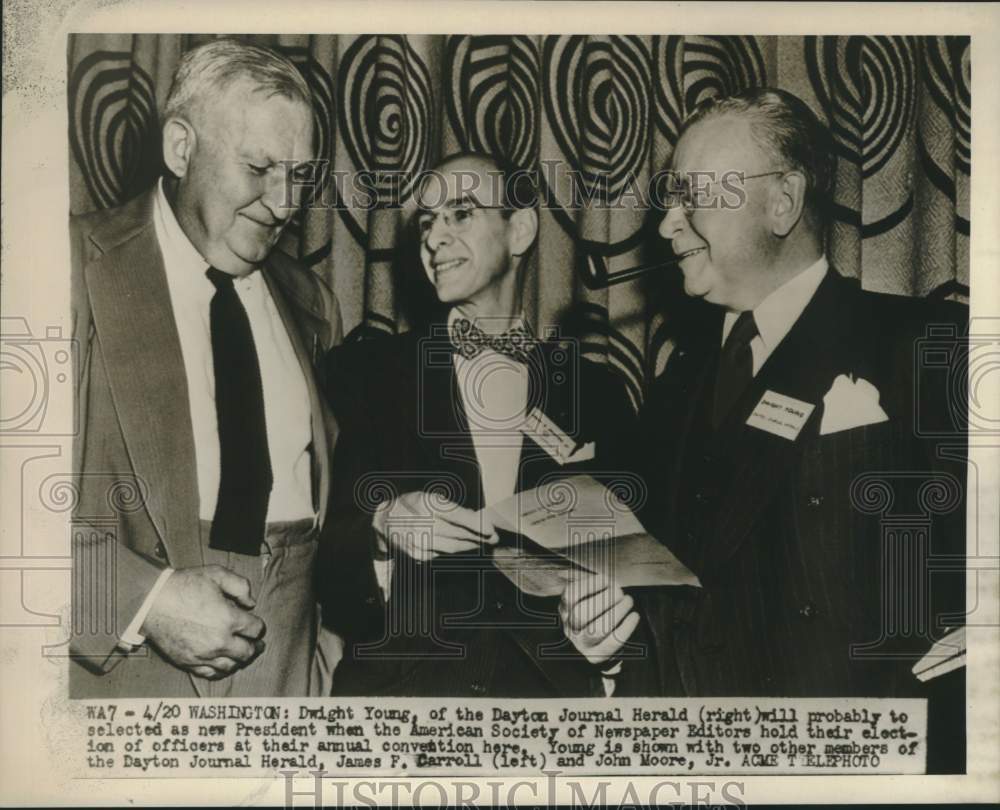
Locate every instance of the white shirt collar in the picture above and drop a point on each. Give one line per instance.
(173, 240)
(777, 313)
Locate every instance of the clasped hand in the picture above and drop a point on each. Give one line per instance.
(202, 622)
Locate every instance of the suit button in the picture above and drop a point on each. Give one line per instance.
(498, 606)
(160, 551)
(478, 688)
(815, 500)
(703, 498)
(370, 600)
(808, 611)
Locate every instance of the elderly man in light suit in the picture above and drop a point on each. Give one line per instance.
(196, 389)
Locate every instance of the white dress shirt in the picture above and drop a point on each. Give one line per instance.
(494, 391)
(287, 408)
(777, 313)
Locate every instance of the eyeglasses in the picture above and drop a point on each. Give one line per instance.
(456, 218)
(703, 196)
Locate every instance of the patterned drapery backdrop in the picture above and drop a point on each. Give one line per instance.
(605, 110)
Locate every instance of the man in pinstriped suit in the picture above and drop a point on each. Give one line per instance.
(792, 402)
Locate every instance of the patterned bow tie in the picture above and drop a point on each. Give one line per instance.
(469, 340)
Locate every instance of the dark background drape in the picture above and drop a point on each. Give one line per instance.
(607, 108)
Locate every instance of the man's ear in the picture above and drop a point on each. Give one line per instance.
(788, 203)
(523, 228)
(178, 145)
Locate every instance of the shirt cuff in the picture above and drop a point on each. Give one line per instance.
(383, 573)
(132, 638)
(382, 561)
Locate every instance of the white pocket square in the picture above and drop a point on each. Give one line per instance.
(850, 404)
(584, 453)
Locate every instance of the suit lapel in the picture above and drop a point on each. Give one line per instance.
(694, 372)
(142, 354)
(442, 425)
(669, 417)
(803, 366)
(553, 400)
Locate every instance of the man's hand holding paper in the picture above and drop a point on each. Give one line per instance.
(401, 524)
(576, 524)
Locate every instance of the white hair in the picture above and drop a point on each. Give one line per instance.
(206, 72)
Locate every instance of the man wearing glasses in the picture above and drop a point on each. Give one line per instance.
(433, 430)
(779, 419)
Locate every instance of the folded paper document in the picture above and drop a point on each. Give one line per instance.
(945, 655)
(575, 526)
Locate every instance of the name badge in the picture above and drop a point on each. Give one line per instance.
(783, 416)
(548, 435)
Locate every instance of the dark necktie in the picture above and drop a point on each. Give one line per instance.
(245, 465)
(469, 340)
(735, 367)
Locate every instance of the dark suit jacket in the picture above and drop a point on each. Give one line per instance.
(137, 504)
(800, 543)
(455, 626)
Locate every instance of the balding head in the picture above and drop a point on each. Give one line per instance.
(502, 184)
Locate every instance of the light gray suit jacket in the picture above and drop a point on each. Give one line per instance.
(137, 502)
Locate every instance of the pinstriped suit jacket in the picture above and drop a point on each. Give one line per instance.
(809, 548)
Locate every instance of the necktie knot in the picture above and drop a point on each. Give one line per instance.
(735, 366)
(744, 330)
(469, 340)
(222, 281)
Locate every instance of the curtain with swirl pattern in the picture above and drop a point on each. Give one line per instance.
(596, 117)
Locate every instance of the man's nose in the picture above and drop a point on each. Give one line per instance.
(674, 221)
(438, 234)
(279, 196)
